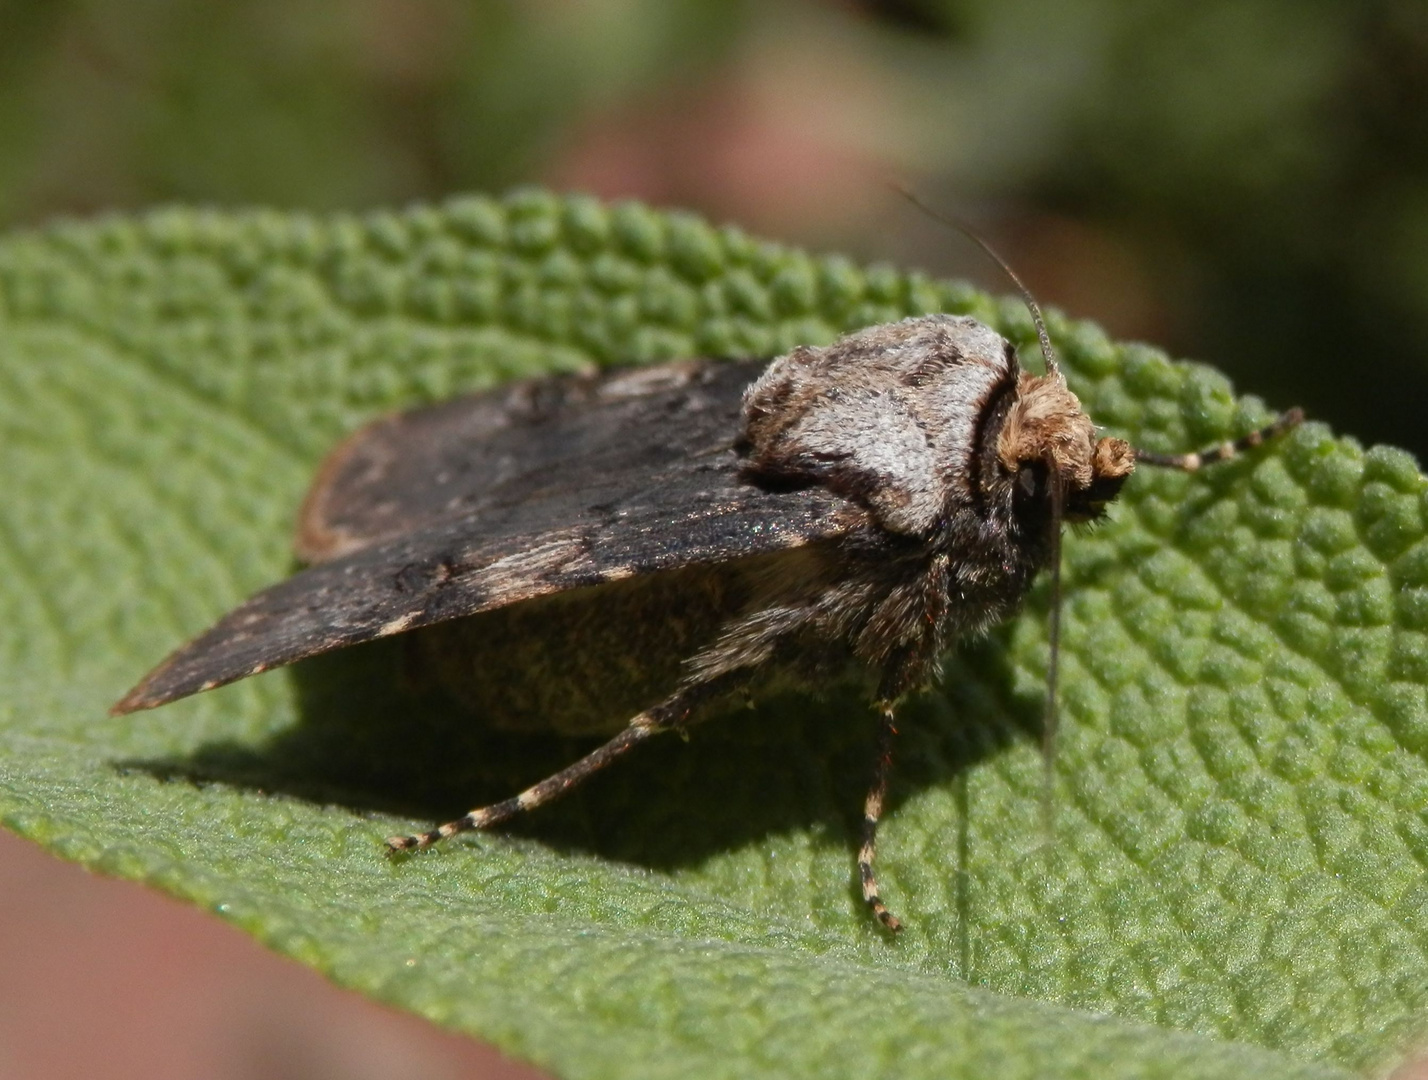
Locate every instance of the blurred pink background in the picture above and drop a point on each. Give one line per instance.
(103, 978)
(788, 118)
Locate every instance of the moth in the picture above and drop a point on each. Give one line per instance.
(670, 539)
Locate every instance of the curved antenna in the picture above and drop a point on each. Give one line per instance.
(1051, 718)
(1052, 367)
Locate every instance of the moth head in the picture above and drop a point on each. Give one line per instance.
(1049, 445)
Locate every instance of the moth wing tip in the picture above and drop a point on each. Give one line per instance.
(135, 700)
(154, 690)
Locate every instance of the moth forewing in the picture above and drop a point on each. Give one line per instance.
(618, 553)
(537, 489)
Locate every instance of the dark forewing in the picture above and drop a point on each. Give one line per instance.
(502, 497)
(524, 458)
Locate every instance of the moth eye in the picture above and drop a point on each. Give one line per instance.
(1028, 480)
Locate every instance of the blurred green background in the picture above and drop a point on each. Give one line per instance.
(1242, 181)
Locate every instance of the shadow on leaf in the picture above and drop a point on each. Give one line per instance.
(368, 741)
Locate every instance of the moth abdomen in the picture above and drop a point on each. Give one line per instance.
(584, 661)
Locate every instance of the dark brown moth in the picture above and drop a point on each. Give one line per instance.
(669, 537)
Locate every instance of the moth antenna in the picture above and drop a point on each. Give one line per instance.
(1051, 719)
(1226, 450)
(1047, 352)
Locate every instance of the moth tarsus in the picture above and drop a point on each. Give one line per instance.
(552, 787)
(728, 525)
(872, 813)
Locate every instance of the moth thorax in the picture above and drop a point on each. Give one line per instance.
(1048, 437)
(887, 417)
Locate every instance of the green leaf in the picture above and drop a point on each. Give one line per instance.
(1235, 882)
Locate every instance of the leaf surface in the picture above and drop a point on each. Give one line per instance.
(1234, 882)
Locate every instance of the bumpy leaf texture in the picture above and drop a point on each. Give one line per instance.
(1235, 877)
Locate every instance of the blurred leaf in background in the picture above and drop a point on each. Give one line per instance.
(1241, 180)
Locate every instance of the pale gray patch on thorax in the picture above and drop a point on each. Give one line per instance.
(887, 416)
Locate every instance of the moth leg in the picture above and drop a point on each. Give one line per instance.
(872, 810)
(642, 727)
(1225, 451)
